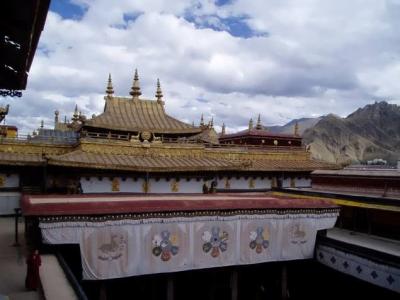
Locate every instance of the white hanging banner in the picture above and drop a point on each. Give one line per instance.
(115, 249)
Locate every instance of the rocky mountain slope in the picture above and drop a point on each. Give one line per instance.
(304, 123)
(370, 132)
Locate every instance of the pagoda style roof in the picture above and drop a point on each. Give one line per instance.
(289, 165)
(12, 158)
(359, 172)
(137, 115)
(154, 163)
(254, 132)
(142, 163)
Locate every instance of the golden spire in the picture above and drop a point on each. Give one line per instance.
(212, 122)
(296, 129)
(259, 126)
(56, 113)
(109, 90)
(251, 124)
(75, 116)
(202, 120)
(223, 129)
(159, 94)
(135, 90)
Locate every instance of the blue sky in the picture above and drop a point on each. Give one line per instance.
(67, 9)
(228, 60)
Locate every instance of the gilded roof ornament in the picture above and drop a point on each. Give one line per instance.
(159, 94)
(75, 116)
(202, 120)
(3, 112)
(223, 129)
(56, 114)
(135, 90)
(251, 124)
(259, 126)
(296, 129)
(212, 122)
(110, 89)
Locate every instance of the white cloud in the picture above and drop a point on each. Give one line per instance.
(316, 57)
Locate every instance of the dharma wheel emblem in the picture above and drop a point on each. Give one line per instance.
(145, 135)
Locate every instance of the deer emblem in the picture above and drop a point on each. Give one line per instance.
(298, 235)
(114, 249)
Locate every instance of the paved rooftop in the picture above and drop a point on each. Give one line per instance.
(42, 205)
(12, 262)
(377, 243)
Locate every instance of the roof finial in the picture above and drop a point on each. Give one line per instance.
(159, 94)
(202, 120)
(135, 90)
(65, 119)
(223, 129)
(41, 124)
(109, 90)
(212, 122)
(296, 129)
(259, 126)
(75, 116)
(251, 124)
(56, 113)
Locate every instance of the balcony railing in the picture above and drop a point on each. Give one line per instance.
(60, 140)
(36, 139)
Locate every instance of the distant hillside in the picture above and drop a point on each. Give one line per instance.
(304, 123)
(370, 132)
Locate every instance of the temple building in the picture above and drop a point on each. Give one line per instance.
(133, 197)
(259, 136)
(134, 146)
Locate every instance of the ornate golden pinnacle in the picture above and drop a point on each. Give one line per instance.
(135, 90)
(109, 90)
(159, 94)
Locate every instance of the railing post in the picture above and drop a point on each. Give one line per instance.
(16, 241)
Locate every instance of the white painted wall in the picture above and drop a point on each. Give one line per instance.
(184, 186)
(242, 183)
(10, 180)
(94, 185)
(9, 201)
(285, 182)
(303, 182)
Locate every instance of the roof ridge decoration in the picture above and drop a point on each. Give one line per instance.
(251, 123)
(135, 90)
(75, 116)
(296, 129)
(109, 89)
(259, 126)
(159, 94)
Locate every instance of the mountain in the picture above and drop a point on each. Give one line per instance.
(304, 123)
(370, 132)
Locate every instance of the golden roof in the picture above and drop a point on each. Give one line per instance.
(289, 165)
(12, 158)
(141, 163)
(153, 163)
(136, 115)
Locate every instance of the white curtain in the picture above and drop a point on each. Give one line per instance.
(114, 249)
